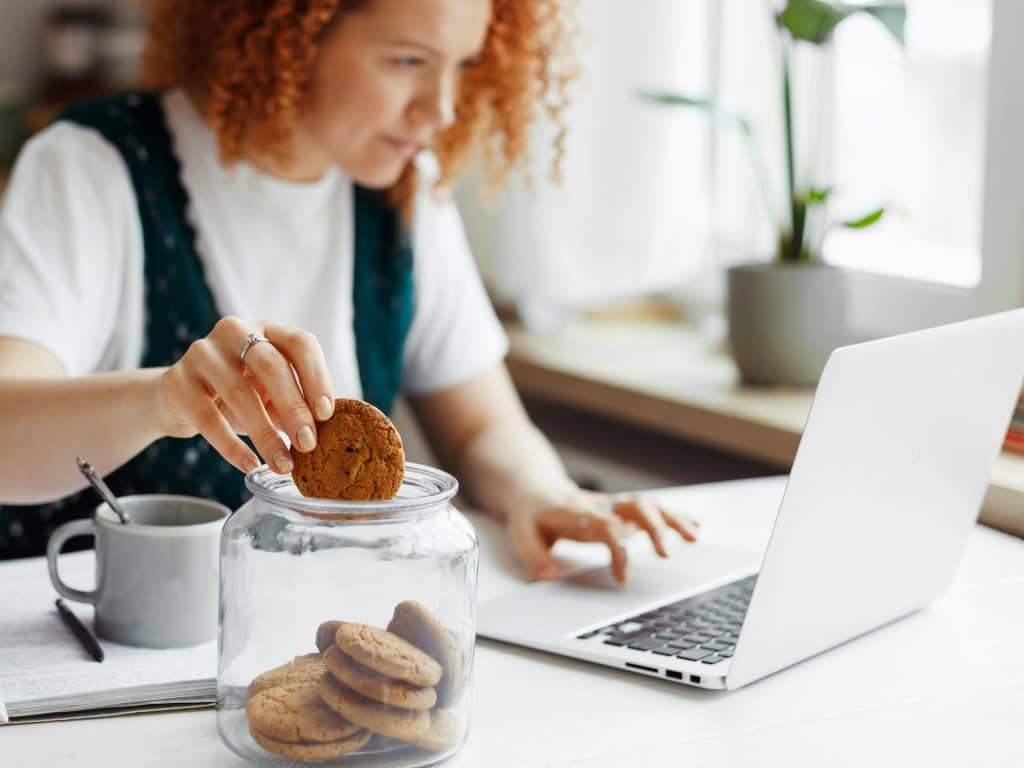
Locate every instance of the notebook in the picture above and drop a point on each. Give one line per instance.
(46, 674)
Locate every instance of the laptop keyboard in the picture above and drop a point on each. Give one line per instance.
(701, 628)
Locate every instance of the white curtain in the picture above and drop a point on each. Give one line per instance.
(632, 214)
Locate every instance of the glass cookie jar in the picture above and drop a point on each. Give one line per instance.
(347, 628)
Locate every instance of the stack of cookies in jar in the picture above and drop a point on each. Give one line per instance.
(399, 682)
(364, 682)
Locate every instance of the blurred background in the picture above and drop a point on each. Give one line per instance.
(54, 53)
(658, 200)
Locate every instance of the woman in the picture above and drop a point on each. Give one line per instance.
(278, 186)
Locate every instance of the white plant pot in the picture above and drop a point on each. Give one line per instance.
(785, 320)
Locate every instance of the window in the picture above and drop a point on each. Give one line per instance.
(909, 132)
(932, 130)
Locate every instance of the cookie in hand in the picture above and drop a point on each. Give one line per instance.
(358, 456)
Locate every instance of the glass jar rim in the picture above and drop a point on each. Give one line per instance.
(440, 486)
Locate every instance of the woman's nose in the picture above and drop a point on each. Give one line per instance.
(436, 105)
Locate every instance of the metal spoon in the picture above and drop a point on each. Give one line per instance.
(102, 488)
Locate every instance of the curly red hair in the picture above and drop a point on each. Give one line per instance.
(252, 60)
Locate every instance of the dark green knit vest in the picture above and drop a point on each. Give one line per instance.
(179, 309)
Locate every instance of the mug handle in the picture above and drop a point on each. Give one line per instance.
(67, 531)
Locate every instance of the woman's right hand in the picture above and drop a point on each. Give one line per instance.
(281, 386)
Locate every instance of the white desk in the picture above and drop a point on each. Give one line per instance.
(942, 687)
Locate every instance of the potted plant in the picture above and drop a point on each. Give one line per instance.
(787, 315)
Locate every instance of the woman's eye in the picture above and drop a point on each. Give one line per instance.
(407, 62)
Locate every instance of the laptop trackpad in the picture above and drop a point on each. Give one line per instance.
(593, 596)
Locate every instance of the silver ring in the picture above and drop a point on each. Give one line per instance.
(251, 339)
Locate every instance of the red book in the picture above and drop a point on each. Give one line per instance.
(1014, 442)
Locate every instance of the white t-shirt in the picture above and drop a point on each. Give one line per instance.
(71, 257)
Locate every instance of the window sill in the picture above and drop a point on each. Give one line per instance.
(665, 377)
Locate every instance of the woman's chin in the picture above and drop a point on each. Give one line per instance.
(379, 176)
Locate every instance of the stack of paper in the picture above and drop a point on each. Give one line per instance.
(44, 671)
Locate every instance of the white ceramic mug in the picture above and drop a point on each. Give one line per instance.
(156, 577)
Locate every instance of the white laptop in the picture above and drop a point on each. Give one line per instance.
(885, 487)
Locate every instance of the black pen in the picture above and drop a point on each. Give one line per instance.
(84, 635)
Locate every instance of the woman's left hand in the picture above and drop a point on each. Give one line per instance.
(534, 527)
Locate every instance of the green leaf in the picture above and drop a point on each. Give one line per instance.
(865, 221)
(709, 106)
(810, 20)
(818, 196)
(678, 100)
(893, 16)
(814, 21)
